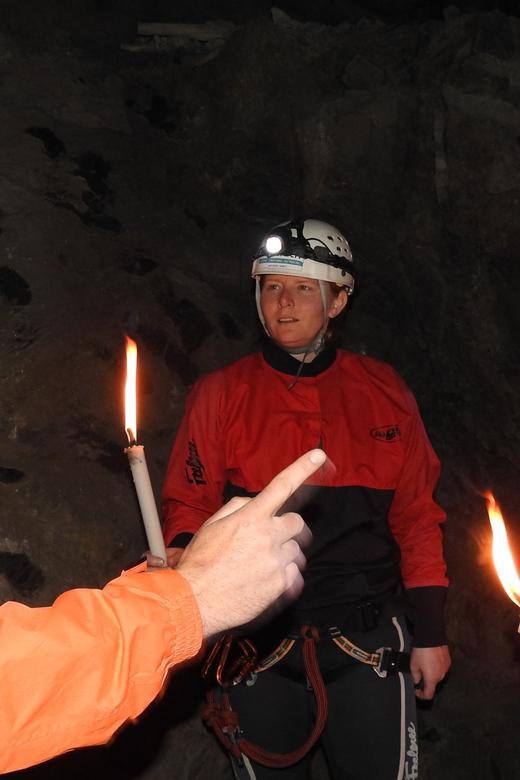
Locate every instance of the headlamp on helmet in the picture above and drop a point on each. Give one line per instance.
(274, 244)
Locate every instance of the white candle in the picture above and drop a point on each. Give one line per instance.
(137, 460)
(143, 486)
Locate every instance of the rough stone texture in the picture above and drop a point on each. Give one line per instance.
(135, 186)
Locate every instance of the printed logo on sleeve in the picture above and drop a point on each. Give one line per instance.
(388, 433)
(195, 470)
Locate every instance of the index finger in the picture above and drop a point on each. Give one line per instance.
(276, 493)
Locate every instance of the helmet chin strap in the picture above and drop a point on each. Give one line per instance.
(315, 346)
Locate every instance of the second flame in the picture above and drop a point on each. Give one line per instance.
(502, 557)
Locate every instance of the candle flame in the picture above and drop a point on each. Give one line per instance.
(130, 390)
(502, 557)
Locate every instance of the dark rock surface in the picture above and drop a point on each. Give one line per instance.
(137, 176)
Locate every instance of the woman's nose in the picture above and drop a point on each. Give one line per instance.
(285, 299)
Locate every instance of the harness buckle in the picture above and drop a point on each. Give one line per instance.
(391, 662)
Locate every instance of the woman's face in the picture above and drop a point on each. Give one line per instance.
(293, 308)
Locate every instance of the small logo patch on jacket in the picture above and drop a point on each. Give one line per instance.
(195, 475)
(388, 433)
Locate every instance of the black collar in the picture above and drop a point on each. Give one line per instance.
(279, 359)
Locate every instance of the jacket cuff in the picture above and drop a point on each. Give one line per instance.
(428, 615)
(181, 540)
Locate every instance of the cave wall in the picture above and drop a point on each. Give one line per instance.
(137, 177)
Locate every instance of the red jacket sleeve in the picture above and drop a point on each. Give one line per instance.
(415, 520)
(196, 473)
(73, 673)
(414, 517)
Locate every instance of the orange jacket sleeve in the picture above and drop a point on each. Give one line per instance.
(73, 673)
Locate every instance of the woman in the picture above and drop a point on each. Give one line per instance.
(376, 553)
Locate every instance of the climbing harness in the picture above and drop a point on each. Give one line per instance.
(230, 669)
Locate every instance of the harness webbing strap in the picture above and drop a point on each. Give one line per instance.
(348, 647)
(224, 721)
(384, 661)
(280, 652)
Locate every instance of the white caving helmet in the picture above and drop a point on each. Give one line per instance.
(311, 249)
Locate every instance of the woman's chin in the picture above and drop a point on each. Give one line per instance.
(286, 341)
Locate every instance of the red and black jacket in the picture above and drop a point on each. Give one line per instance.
(371, 511)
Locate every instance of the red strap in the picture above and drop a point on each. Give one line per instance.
(224, 720)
